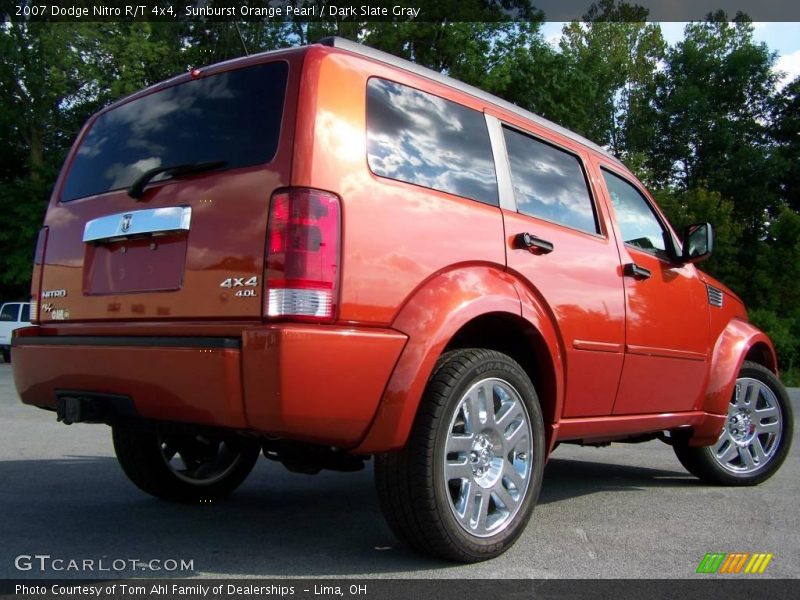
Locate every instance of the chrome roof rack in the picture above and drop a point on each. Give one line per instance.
(401, 63)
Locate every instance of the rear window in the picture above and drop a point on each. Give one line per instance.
(9, 312)
(419, 138)
(233, 116)
(25, 317)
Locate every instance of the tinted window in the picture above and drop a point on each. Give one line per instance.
(423, 139)
(549, 183)
(9, 312)
(26, 313)
(233, 116)
(637, 222)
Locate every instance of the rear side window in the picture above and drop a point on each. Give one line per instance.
(419, 138)
(549, 183)
(639, 225)
(9, 312)
(25, 317)
(233, 116)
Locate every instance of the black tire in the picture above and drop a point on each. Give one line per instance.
(412, 486)
(141, 457)
(7, 355)
(701, 461)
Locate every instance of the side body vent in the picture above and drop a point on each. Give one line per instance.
(714, 296)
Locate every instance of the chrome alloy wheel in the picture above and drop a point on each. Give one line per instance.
(488, 457)
(753, 428)
(199, 460)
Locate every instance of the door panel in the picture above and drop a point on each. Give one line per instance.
(568, 260)
(667, 328)
(580, 282)
(667, 339)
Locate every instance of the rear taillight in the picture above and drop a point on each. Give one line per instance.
(302, 271)
(36, 279)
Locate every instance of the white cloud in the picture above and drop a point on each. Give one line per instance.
(789, 65)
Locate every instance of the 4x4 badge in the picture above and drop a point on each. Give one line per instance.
(232, 282)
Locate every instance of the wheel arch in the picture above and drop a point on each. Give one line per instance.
(762, 353)
(518, 338)
(473, 306)
(738, 342)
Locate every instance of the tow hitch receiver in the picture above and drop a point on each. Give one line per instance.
(87, 407)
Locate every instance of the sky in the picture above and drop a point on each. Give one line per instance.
(783, 38)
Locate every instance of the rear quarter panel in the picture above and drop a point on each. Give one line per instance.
(395, 235)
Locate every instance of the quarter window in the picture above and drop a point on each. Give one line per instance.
(549, 183)
(638, 223)
(419, 138)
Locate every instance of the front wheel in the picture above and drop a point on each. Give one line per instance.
(184, 467)
(756, 437)
(464, 486)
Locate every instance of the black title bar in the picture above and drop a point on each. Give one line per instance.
(278, 11)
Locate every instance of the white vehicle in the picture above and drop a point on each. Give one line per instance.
(13, 315)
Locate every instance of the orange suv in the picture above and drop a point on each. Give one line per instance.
(326, 254)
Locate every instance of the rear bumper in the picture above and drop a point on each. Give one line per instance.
(313, 383)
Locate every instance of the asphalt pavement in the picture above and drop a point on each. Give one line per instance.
(624, 511)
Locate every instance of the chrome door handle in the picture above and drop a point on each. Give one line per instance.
(635, 271)
(531, 242)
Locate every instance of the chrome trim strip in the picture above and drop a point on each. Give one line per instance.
(505, 187)
(150, 221)
(401, 63)
(593, 346)
(664, 352)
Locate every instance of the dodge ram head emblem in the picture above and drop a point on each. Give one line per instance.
(125, 223)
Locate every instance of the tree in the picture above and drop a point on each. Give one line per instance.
(42, 78)
(712, 104)
(786, 134)
(700, 205)
(617, 51)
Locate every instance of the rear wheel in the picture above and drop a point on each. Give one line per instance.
(756, 437)
(464, 486)
(184, 467)
(7, 355)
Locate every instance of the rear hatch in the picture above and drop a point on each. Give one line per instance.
(206, 151)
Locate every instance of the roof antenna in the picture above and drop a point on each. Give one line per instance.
(241, 38)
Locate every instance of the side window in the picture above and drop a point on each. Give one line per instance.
(9, 312)
(549, 183)
(25, 317)
(419, 138)
(638, 223)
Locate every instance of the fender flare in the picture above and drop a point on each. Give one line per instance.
(729, 353)
(430, 318)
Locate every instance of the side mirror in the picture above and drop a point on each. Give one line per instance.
(698, 242)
